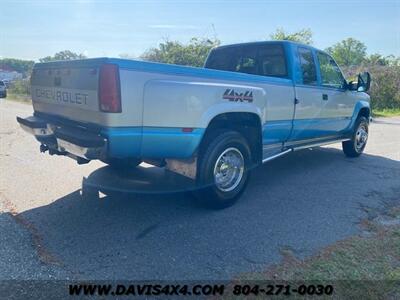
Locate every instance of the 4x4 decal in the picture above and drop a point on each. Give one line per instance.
(231, 95)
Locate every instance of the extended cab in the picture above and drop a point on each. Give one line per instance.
(250, 103)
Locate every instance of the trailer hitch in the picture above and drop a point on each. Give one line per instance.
(44, 148)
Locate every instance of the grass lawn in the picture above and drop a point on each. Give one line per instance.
(388, 112)
(361, 267)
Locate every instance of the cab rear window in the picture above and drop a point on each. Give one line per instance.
(265, 60)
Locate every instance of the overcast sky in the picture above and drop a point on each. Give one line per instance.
(34, 29)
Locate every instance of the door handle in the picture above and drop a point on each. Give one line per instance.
(324, 96)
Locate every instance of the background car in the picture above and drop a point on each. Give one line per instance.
(3, 89)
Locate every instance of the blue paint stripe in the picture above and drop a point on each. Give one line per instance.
(170, 142)
(305, 119)
(282, 131)
(152, 142)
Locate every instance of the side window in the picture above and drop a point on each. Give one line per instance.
(331, 75)
(265, 60)
(248, 61)
(225, 59)
(307, 64)
(272, 61)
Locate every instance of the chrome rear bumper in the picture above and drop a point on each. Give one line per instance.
(64, 140)
(80, 151)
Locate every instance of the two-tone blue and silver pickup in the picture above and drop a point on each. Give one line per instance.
(250, 103)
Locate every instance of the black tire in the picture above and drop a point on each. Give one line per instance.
(234, 146)
(123, 164)
(355, 147)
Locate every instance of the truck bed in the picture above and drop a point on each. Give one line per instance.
(77, 82)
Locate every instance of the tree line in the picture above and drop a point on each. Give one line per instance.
(350, 54)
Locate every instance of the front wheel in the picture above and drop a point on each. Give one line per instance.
(355, 147)
(223, 170)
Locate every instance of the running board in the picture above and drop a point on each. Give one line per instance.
(303, 147)
(276, 155)
(319, 144)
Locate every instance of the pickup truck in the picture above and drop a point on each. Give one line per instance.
(249, 104)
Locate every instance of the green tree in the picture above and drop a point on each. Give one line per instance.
(18, 65)
(63, 55)
(377, 59)
(385, 79)
(193, 53)
(303, 36)
(380, 60)
(20, 87)
(385, 86)
(348, 52)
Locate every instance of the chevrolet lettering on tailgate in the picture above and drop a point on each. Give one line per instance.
(61, 96)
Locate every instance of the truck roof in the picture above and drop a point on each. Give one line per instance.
(266, 42)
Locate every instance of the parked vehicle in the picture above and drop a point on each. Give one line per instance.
(3, 89)
(250, 103)
(7, 83)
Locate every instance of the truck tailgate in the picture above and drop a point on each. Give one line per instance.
(68, 89)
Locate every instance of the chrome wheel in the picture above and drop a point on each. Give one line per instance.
(361, 137)
(229, 169)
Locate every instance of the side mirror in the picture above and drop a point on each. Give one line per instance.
(364, 82)
(352, 85)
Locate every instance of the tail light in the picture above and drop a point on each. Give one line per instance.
(109, 89)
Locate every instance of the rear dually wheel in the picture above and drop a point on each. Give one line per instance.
(223, 170)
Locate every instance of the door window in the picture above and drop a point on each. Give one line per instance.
(331, 76)
(307, 65)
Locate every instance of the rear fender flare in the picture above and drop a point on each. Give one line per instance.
(224, 108)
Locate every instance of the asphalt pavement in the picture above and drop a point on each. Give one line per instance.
(304, 201)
